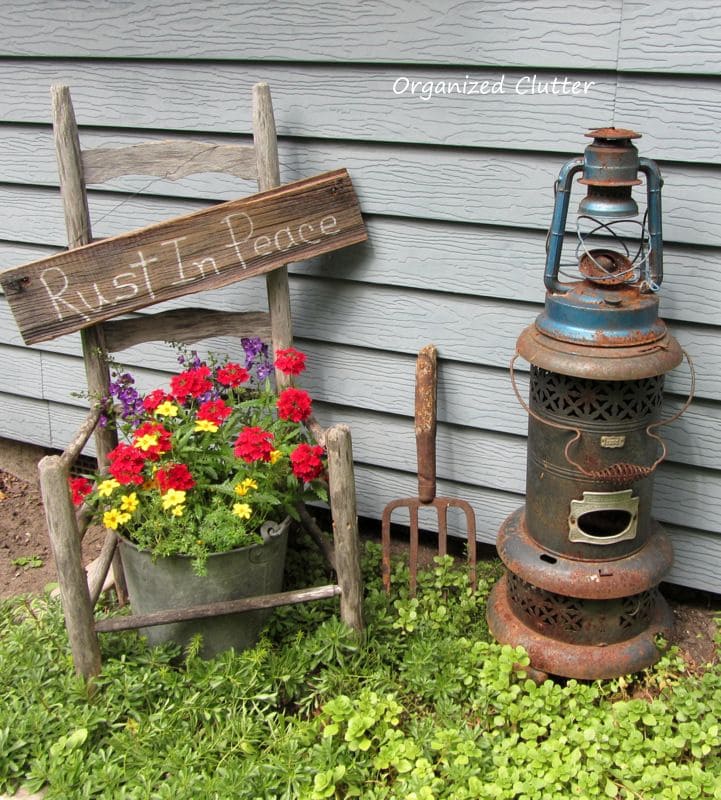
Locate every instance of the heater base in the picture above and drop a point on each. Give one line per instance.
(584, 662)
(601, 579)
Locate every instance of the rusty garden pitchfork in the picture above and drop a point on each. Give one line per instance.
(425, 426)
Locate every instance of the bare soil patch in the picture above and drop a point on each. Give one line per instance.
(26, 561)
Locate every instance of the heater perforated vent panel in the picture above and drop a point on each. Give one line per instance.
(595, 401)
(639, 606)
(574, 620)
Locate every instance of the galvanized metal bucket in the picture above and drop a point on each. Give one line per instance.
(170, 583)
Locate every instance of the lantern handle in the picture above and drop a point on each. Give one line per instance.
(654, 182)
(554, 241)
(620, 472)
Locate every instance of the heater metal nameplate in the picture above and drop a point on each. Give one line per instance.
(613, 442)
(603, 518)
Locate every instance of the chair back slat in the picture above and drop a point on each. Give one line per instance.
(170, 160)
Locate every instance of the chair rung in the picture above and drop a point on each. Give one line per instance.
(217, 609)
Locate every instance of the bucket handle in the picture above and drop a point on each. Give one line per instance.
(620, 472)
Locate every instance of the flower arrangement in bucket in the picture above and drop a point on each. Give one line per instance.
(206, 463)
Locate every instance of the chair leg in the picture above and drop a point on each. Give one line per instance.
(345, 524)
(65, 543)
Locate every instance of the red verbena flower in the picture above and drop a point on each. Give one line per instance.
(152, 400)
(126, 464)
(174, 476)
(152, 439)
(306, 461)
(80, 489)
(191, 383)
(290, 361)
(294, 404)
(216, 411)
(253, 444)
(232, 375)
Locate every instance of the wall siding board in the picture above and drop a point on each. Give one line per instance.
(353, 103)
(469, 329)
(696, 557)
(21, 361)
(667, 36)
(25, 419)
(678, 116)
(433, 183)
(474, 398)
(400, 31)
(476, 260)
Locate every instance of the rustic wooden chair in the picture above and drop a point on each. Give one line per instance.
(172, 160)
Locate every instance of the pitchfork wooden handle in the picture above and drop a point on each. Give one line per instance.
(426, 369)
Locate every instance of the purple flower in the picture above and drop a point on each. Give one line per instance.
(256, 355)
(192, 359)
(253, 347)
(263, 370)
(123, 389)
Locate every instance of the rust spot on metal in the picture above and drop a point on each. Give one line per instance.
(632, 573)
(610, 266)
(612, 133)
(631, 362)
(413, 504)
(577, 660)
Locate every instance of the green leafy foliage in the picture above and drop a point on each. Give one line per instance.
(28, 562)
(427, 706)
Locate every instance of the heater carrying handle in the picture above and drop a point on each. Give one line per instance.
(620, 472)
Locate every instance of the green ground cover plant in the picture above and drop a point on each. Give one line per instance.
(426, 707)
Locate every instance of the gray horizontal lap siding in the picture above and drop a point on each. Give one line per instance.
(631, 35)
(456, 220)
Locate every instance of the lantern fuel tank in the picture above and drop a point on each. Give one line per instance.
(584, 555)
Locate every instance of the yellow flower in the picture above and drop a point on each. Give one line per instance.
(146, 441)
(205, 425)
(177, 511)
(275, 455)
(107, 487)
(173, 497)
(166, 409)
(245, 486)
(242, 510)
(114, 517)
(129, 502)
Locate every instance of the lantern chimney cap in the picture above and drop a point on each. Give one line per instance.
(612, 133)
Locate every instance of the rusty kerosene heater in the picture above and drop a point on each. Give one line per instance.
(584, 557)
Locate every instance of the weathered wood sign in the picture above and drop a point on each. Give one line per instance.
(204, 250)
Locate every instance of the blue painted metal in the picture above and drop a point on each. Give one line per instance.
(654, 182)
(611, 202)
(614, 317)
(558, 223)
